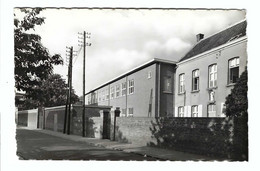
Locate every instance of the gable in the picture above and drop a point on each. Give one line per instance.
(225, 36)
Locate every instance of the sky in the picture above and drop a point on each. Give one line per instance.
(122, 39)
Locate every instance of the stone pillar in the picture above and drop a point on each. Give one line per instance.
(117, 114)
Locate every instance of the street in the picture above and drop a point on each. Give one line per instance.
(32, 144)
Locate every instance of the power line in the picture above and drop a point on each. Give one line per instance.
(77, 55)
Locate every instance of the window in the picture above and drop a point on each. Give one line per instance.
(130, 111)
(233, 70)
(96, 97)
(107, 94)
(112, 93)
(149, 74)
(93, 98)
(213, 76)
(124, 112)
(181, 83)
(117, 90)
(181, 111)
(195, 80)
(103, 95)
(123, 89)
(89, 99)
(194, 111)
(99, 96)
(211, 96)
(167, 84)
(130, 86)
(212, 110)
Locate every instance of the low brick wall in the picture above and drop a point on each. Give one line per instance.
(54, 120)
(94, 127)
(222, 137)
(28, 118)
(133, 130)
(22, 118)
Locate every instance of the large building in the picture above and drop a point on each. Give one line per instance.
(195, 86)
(208, 72)
(146, 91)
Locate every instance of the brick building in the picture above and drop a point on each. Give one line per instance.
(195, 86)
(208, 72)
(145, 91)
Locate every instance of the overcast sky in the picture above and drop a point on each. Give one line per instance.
(125, 38)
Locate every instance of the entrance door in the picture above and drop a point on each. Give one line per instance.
(106, 125)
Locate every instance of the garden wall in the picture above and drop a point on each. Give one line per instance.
(28, 118)
(133, 130)
(54, 119)
(222, 137)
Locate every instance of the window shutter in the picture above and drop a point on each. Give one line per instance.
(200, 111)
(176, 112)
(188, 111)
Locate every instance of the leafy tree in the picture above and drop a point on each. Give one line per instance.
(237, 102)
(33, 63)
(53, 93)
(236, 106)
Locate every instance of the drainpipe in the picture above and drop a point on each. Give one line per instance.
(159, 88)
(126, 86)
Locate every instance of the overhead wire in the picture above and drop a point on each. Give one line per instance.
(77, 55)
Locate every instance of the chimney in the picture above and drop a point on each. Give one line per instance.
(199, 37)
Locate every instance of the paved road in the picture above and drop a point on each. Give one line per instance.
(32, 144)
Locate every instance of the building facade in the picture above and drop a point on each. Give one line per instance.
(208, 72)
(146, 91)
(196, 86)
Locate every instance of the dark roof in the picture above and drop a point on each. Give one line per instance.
(220, 38)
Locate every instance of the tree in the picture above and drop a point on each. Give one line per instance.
(33, 63)
(53, 93)
(237, 102)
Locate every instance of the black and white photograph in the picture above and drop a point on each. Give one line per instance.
(127, 84)
(145, 80)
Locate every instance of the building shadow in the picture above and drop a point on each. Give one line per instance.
(223, 138)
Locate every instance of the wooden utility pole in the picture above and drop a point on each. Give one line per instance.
(68, 95)
(70, 88)
(84, 70)
(67, 102)
(84, 44)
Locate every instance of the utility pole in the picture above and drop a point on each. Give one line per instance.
(84, 82)
(68, 92)
(70, 88)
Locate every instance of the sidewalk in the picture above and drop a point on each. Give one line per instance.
(163, 154)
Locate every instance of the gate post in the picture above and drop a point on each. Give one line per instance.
(117, 114)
